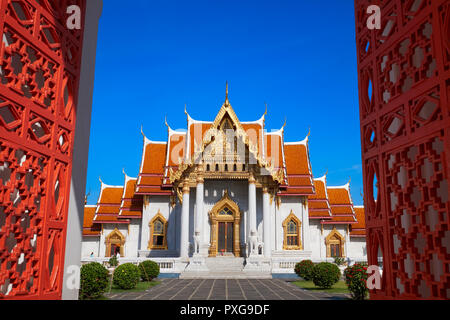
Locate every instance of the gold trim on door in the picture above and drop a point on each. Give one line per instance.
(225, 210)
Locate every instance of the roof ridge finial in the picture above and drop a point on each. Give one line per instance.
(285, 122)
(185, 109)
(123, 171)
(265, 113)
(100, 179)
(226, 92)
(326, 173)
(309, 134)
(142, 130)
(165, 122)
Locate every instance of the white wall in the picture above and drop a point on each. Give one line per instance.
(90, 244)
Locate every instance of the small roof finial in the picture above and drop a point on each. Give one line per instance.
(285, 122)
(142, 130)
(309, 134)
(265, 112)
(123, 171)
(100, 179)
(185, 109)
(349, 179)
(326, 173)
(226, 92)
(165, 121)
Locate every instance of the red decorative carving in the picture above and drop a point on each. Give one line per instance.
(39, 74)
(406, 161)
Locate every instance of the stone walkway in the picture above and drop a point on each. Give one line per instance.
(226, 289)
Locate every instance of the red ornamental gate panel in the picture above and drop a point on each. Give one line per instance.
(39, 73)
(404, 92)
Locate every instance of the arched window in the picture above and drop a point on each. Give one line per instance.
(158, 233)
(335, 244)
(292, 226)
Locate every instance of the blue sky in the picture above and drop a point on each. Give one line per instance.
(154, 56)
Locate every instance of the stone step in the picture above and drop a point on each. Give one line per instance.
(225, 275)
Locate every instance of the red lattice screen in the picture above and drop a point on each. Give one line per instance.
(404, 90)
(39, 73)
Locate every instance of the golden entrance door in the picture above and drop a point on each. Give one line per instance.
(225, 218)
(225, 237)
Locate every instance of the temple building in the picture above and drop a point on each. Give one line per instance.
(224, 196)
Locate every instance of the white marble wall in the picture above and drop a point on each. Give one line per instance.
(90, 244)
(357, 249)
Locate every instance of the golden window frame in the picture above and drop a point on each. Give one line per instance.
(331, 239)
(151, 245)
(286, 221)
(115, 237)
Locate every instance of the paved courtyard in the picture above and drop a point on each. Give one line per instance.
(226, 289)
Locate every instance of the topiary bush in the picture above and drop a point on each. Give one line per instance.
(325, 274)
(356, 280)
(304, 269)
(113, 262)
(94, 280)
(126, 276)
(149, 270)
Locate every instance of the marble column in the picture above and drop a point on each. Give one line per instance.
(199, 214)
(305, 225)
(252, 215)
(266, 223)
(184, 239)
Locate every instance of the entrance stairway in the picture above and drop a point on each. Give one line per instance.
(226, 267)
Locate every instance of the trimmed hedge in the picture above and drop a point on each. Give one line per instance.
(126, 276)
(356, 280)
(304, 269)
(113, 262)
(325, 274)
(94, 280)
(149, 270)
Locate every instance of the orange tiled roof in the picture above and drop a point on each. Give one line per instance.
(108, 206)
(341, 205)
(89, 229)
(131, 206)
(359, 228)
(318, 204)
(274, 149)
(152, 168)
(298, 169)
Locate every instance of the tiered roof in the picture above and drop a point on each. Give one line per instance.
(359, 229)
(318, 203)
(119, 204)
(341, 204)
(89, 228)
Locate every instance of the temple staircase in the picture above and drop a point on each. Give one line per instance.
(225, 267)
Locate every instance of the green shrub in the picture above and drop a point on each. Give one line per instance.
(356, 280)
(93, 280)
(339, 261)
(113, 262)
(126, 276)
(325, 274)
(304, 269)
(149, 270)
